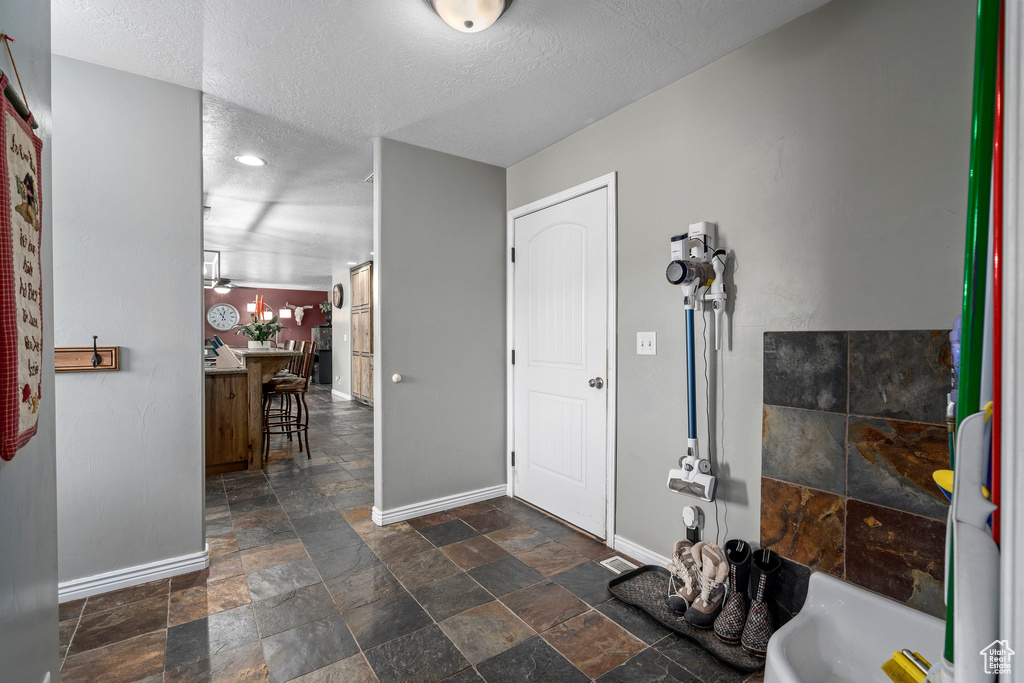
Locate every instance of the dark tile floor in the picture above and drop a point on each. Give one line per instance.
(303, 586)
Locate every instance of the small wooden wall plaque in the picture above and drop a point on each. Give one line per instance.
(79, 359)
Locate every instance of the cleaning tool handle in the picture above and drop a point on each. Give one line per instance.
(718, 307)
(922, 665)
(691, 382)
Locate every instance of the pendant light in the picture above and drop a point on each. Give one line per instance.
(469, 16)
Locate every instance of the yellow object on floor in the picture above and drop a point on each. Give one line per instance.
(901, 670)
(944, 479)
(895, 672)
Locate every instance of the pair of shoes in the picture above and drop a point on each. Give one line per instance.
(712, 569)
(752, 574)
(682, 585)
(697, 582)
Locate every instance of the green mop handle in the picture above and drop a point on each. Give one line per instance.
(978, 195)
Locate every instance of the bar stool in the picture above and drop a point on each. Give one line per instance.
(290, 370)
(280, 421)
(293, 366)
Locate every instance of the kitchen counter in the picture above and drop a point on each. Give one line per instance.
(234, 410)
(214, 370)
(264, 353)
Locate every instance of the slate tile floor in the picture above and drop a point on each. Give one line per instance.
(303, 586)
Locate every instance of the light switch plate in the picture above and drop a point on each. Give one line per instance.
(646, 343)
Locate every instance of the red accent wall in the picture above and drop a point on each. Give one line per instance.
(276, 299)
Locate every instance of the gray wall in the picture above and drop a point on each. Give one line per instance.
(128, 233)
(28, 498)
(341, 332)
(439, 238)
(833, 155)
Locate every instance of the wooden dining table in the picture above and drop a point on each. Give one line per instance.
(260, 366)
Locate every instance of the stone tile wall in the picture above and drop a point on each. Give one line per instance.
(853, 427)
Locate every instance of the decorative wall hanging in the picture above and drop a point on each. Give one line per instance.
(21, 306)
(300, 311)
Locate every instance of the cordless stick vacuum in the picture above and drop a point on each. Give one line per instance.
(696, 265)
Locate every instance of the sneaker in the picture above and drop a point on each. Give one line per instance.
(764, 572)
(682, 585)
(730, 621)
(712, 571)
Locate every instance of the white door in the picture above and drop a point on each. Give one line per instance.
(560, 374)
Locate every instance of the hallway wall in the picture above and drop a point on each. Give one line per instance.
(127, 267)
(439, 321)
(833, 154)
(28, 497)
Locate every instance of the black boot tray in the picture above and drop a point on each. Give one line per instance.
(647, 588)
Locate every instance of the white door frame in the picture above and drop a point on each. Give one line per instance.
(607, 181)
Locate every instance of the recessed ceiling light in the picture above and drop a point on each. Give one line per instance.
(371, 253)
(250, 160)
(469, 16)
(352, 263)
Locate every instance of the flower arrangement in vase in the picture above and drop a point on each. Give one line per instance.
(325, 308)
(262, 328)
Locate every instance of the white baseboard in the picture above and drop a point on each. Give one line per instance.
(638, 552)
(341, 394)
(400, 514)
(132, 576)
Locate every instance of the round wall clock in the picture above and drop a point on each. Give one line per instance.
(222, 317)
(339, 296)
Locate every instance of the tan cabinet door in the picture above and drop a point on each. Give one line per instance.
(369, 383)
(358, 318)
(362, 332)
(356, 375)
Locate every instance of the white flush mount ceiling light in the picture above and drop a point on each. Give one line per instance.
(250, 160)
(469, 16)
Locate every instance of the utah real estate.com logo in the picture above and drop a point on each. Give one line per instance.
(998, 656)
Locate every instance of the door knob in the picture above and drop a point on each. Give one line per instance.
(597, 383)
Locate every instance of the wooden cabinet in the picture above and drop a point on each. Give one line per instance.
(362, 332)
(227, 422)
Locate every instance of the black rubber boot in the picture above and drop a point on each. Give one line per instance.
(730, 621)
(765, 567)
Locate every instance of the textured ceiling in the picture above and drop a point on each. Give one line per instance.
(308, 84)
